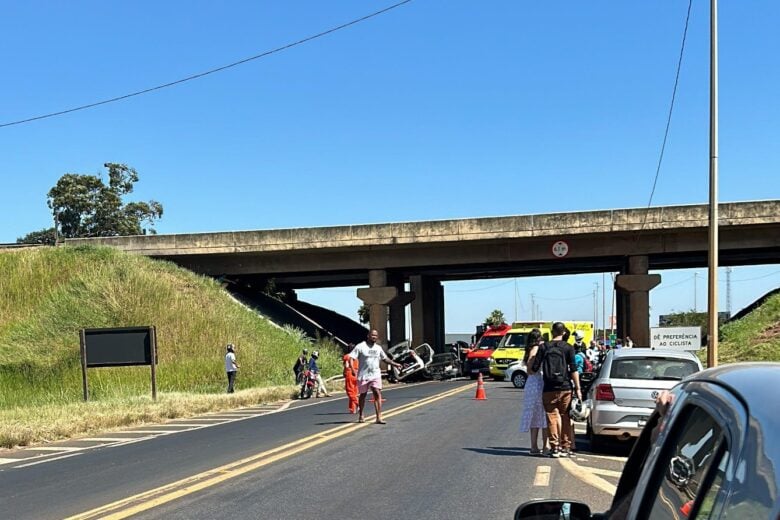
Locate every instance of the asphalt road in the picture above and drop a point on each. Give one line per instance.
(441, 454)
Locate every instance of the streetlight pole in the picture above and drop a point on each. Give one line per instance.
(712, 274)
(603, 310)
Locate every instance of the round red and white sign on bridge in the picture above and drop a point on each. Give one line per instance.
(560, 249)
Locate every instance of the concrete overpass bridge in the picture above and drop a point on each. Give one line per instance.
(386, 256)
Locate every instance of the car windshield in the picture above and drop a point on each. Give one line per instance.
(515, 340)
(652, 368)
(488, 342)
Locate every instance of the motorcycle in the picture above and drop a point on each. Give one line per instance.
(308, 384)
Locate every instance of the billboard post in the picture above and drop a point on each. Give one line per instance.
(117, 347)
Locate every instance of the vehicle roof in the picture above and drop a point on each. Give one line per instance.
(752, 381)
(647, 352)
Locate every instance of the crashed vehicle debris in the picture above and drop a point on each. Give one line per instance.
(414, 362)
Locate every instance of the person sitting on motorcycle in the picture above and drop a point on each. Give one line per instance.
(300, 365)
(316, 371)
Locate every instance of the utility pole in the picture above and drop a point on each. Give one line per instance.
(612, 317)
(603, 309)
(695, 279)
(515, 299)
(533, 308)
(728, 290)
(712, 278)
(596, 305)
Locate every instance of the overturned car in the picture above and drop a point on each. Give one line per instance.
(414, 362)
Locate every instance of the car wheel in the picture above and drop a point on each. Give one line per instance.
(597, 442)
(519, 378)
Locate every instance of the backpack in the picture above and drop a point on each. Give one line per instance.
(555, 370)
(588, 365)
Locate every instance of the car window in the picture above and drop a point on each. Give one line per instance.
(488, 342)
(652, 368)
(696, 445)
(714, 499)
(514, 340)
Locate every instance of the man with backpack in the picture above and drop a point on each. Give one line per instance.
(557, 364)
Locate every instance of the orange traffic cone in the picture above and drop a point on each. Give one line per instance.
(480, 389)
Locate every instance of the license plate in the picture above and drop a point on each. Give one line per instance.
(642, 422)
(474, 370)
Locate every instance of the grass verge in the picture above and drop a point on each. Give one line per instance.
(20, 427)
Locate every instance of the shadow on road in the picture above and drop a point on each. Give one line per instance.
(509, 451)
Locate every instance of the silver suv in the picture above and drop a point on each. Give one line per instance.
(622, 396)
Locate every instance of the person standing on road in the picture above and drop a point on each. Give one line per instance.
(369, 353)
(315, 369)
(533, 418)
(231, 367)
(350, 379)
(556, 361)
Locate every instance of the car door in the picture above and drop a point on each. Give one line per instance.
(699, 442)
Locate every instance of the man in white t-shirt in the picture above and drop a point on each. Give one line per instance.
(231, 367)
(369, 353)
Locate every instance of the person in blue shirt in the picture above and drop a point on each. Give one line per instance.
(316, 371)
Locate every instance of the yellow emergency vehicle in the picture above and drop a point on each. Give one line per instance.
(512, 346)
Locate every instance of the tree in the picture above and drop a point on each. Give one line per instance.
(495, 318)
(44, 237)
(83, 206)
(364, 314)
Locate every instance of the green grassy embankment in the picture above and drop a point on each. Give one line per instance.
(756, 337)
(48, 294)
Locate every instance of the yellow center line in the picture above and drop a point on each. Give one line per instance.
(161, 495)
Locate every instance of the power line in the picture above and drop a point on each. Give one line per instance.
(588, 295)
(482, 288)
(668, 121)
(212, 71)
(674, 284)
(757, 277)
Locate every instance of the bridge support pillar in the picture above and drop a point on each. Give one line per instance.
(636, 287)
(427, 311)
(377, 296)
(397, 310)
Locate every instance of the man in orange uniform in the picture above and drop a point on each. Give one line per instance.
(350, 379)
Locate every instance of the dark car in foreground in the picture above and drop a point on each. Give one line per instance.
(714, 454)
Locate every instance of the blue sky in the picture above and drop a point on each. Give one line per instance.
(435, 110)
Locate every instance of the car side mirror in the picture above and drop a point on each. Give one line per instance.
(552, 510)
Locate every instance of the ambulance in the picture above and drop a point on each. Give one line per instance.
(512, 346)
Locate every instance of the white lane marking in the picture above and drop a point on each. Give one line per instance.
(604, 472)
(204, 419)
(103, 439)
(157, 431)
(542, 477)
(48, 460)
(56, 448)
(153, 434)
(587, 477)
(188, 425)
(608, 457)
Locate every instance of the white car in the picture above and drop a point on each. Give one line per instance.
(622, 395)
(517, 373)
(414, 361)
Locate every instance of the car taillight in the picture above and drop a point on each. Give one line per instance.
(604, 393)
